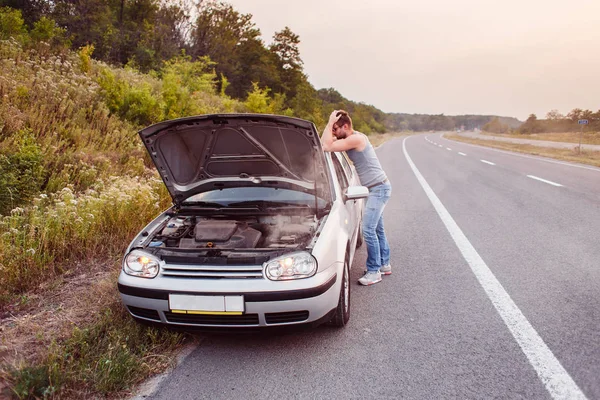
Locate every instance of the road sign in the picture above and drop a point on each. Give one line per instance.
(582, 122)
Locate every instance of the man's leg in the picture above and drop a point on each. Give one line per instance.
(384, 247)
(371, 217)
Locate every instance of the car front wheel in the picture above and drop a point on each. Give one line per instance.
(342, 312)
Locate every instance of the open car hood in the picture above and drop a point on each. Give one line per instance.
(208, 152)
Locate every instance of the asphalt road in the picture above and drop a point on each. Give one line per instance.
(533, 142)
(495, 293)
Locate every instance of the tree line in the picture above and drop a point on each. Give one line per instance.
(554, 122)
(147, 34)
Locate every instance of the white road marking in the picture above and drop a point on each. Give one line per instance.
(461, 153)
(510, 153)
(544, 180)
(557, 380)
(440, 145)
(448, 148)
(487, 162)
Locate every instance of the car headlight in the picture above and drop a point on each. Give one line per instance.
(142, 264)
(291, 266)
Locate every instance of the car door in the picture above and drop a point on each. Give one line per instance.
(353, 218)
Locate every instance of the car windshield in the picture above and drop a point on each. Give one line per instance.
(260, 195)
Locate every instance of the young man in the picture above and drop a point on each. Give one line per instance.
(339, 136)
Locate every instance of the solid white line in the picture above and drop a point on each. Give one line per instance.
(511, 153)
(544, 180)
(557, 380)
(461, 153)
(487, 162)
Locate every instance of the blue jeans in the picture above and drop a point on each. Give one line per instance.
(378, 249)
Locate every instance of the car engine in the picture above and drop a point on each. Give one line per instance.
(265, 232)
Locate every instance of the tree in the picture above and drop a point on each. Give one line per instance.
(554, 115)
(495, 126)
(219, 33)
(285, 49)
(575, 114)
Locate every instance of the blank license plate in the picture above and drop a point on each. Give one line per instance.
(217, 305)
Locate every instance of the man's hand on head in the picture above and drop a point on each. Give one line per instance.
(334, 117)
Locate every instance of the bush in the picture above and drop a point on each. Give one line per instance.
(46, 30)
(12, 24)
(21, 170)
(38, 242)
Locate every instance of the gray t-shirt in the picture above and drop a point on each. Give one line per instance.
(367, 164)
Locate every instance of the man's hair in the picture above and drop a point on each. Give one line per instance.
(344, 119)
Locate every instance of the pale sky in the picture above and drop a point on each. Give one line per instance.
(502, 57)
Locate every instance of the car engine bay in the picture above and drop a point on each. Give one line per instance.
(285, 232)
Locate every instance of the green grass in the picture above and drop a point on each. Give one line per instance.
(585, 157)
(565, 137)
(110, 355)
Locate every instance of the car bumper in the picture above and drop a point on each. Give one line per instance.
(306, 301)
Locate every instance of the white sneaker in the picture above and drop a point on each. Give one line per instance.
(386, 270)
(370, 278)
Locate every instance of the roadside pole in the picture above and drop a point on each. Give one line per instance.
(581, 122)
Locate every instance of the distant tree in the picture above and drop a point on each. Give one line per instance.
(531, 125)
(575, 114)
(554, 115)
(495, 126)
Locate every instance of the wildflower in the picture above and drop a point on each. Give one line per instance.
(17, 211)
(31, 251)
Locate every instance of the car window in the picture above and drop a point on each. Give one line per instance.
(233, 195)
(346, 165)
(339, 171)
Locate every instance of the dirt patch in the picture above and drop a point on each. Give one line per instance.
(50, 313)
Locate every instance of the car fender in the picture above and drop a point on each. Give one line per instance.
(332, 244)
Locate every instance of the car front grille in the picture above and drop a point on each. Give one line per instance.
(213, 271)
(286, 317)
(199, 319)
(144, 313)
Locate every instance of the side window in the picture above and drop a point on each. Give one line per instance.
(339, 171)
(346, 165)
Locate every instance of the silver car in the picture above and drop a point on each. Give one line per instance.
(262, 231)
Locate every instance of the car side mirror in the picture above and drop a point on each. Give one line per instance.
(355, 193)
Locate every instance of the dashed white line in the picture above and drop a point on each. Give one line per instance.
(448, 148)
(461, 153)
(487, 162)
(511, 153)
(557, 380)
(439, 145)
(544, 180)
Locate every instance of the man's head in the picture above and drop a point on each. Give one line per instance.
(343, 127)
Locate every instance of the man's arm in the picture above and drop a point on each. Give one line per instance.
(330, 144)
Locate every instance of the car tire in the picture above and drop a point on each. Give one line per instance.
(342, 311)
(359, 239)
